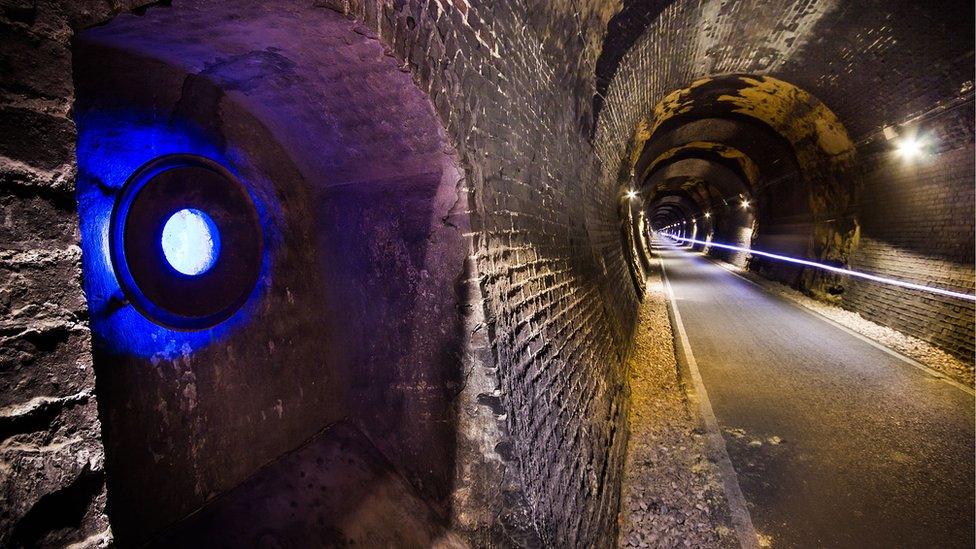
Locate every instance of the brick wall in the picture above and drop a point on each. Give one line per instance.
(512, 83)
(917, 225)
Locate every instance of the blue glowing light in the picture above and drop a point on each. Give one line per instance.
(112, 145)
(831, 268)
(191, 241)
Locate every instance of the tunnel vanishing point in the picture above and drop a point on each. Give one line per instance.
(485, 273)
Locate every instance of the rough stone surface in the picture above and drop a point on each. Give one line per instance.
(671, 495)
(52, 477)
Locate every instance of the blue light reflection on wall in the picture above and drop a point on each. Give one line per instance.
(190, 241)
(111, 146)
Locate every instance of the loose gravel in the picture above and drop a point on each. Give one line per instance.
(672, 495)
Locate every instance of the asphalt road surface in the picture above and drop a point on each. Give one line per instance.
(835, 442)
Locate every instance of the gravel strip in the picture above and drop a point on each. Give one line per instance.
(672, 495)
(912, 347)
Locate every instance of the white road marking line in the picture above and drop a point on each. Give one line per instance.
(741, 519)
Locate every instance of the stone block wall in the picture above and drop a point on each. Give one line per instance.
(52, 488)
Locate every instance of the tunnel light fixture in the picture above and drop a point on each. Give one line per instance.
(911, 147)
(745, 204)
(831, 268)
(631, 194)
(708, 215)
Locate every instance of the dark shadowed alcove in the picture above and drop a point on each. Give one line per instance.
(343, 358)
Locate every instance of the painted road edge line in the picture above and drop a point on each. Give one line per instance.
(741, 519)
(872, 342)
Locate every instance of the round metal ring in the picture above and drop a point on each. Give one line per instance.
(151, 196)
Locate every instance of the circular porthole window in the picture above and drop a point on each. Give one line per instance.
(185, 242)
(191, 241)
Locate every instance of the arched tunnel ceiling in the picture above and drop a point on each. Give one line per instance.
(622, 31)
(751, 151)
(717, 153)
(714, 180)
(673, 206)
(849, 69)
(782, 144)
(774, 123)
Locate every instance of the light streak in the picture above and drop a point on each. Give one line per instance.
(866, 276)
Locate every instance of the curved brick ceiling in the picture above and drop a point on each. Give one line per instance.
(867, 66)
(847, 54)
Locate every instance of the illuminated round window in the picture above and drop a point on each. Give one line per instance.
(186, 242)
(191, 241)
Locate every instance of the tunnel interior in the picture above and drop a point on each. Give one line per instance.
(751, 161)
(838, 120)
(331, 184)
(375, 272)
